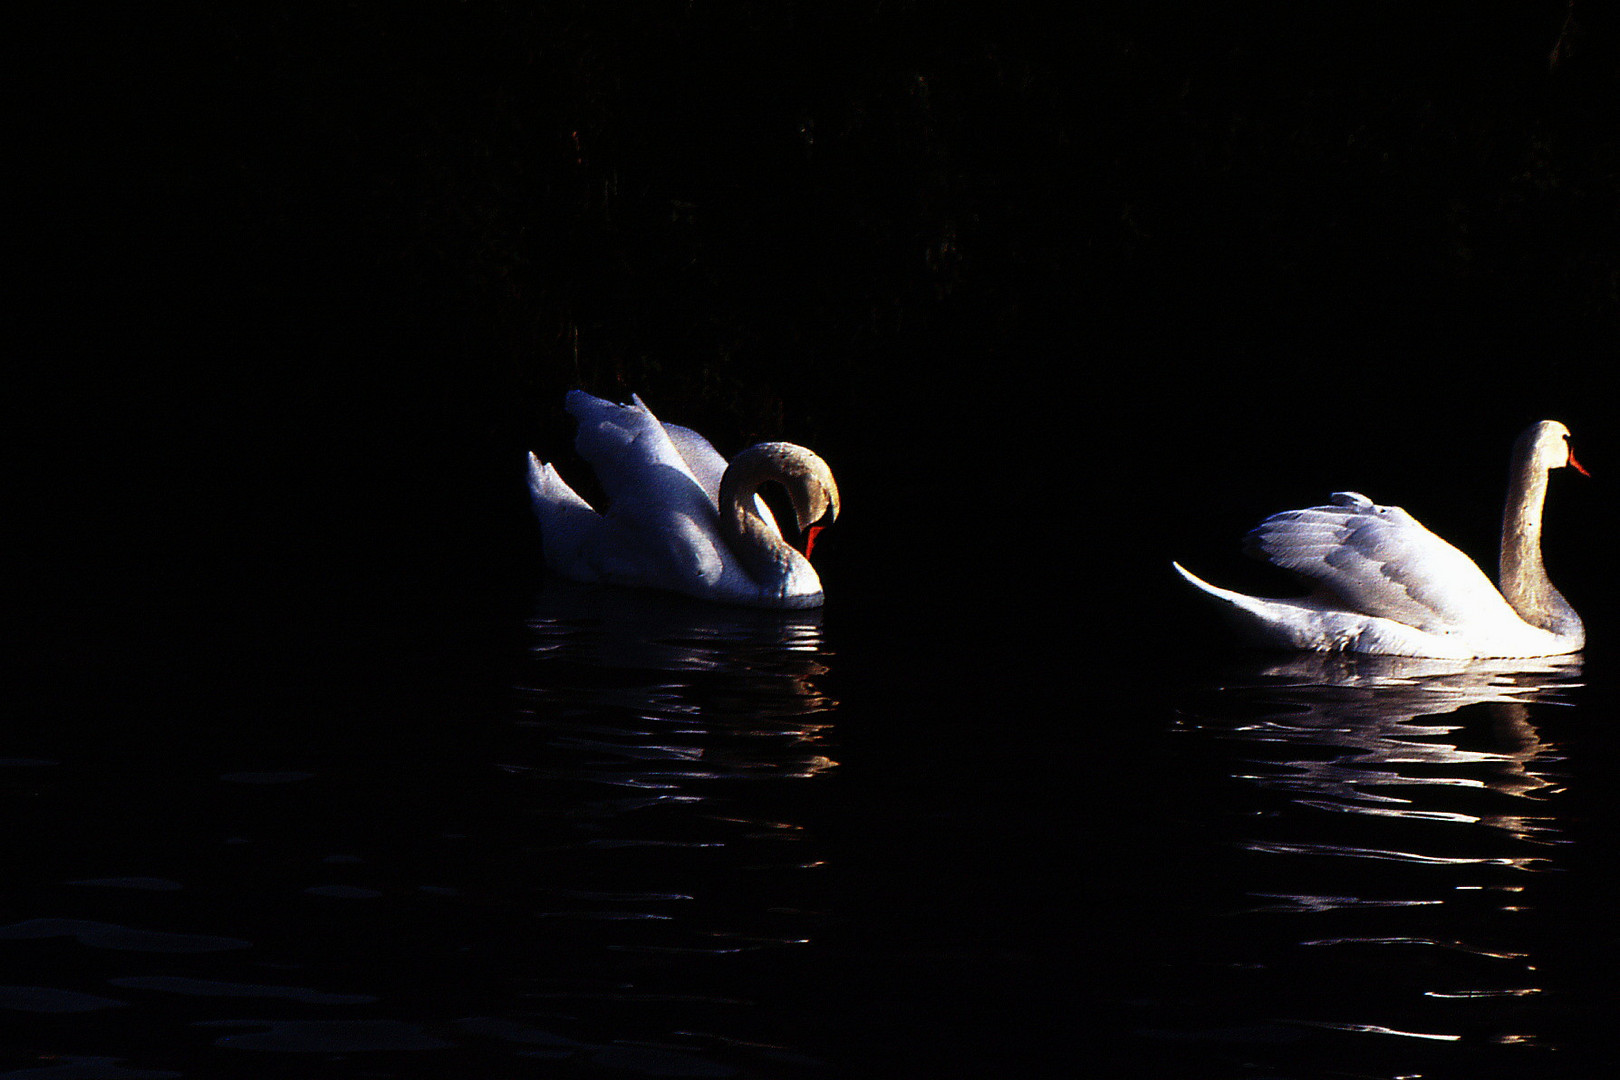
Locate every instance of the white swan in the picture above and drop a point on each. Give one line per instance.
(1384, 584)
(679, 518)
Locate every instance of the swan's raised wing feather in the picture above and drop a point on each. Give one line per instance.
(705, 464)
(664, 521)
(1380, 561)
(626, 446)
(702, 459)
(569, 528)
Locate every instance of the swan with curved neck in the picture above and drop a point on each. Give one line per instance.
(1384, 584)
(679, 517)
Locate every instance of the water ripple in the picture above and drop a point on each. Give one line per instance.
(1391, 807)
(1341, 850)
(1455, 946)
(88, 1068)
(148, 884)
(1334, 903)
(173, 984)
(1379, 1029)
(45, 999)
(102, 935)
(326, 1036)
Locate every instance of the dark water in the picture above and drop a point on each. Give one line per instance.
(1399, 869)
(624, 835)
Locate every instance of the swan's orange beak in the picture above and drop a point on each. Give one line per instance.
(1577, 466)
(813, 531)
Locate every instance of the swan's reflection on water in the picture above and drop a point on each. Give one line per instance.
(655, 689)
(1375, 733)
(1401, 815)
(667, 753)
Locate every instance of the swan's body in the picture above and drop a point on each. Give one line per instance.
(1384, 584)
(680, 518)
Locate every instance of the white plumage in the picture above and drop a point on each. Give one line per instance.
(679, 517)
(1384, 584)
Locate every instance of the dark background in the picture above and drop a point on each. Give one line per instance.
(1094, 288)
(1059, 298)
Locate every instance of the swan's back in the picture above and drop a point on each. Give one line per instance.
(1380, 561)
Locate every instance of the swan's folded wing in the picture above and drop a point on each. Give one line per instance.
(1380, 561)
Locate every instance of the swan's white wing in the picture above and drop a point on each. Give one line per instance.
(569, 528)
(628, 448)
(702, 459)
(659, 542)
(707, 465)
(1380, 561)
(664, 525)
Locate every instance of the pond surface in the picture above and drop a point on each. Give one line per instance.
(618, 834)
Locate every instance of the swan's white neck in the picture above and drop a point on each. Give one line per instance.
(1522, 575)
(767, 558)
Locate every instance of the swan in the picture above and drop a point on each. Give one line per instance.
(679, 517)
(1385, 585)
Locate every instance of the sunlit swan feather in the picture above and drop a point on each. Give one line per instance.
(679, 517)
(1386, 585)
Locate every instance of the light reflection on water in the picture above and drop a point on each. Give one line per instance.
(1401, 821)
(664, 751)
(618, 872)
(635, 690)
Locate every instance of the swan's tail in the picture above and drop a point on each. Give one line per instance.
(1307, 623)
(569, 528)
(1227, 595)
(1261, 620)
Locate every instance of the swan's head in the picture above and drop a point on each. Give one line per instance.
(1546, 446)
(810, 485)
(808, 480)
